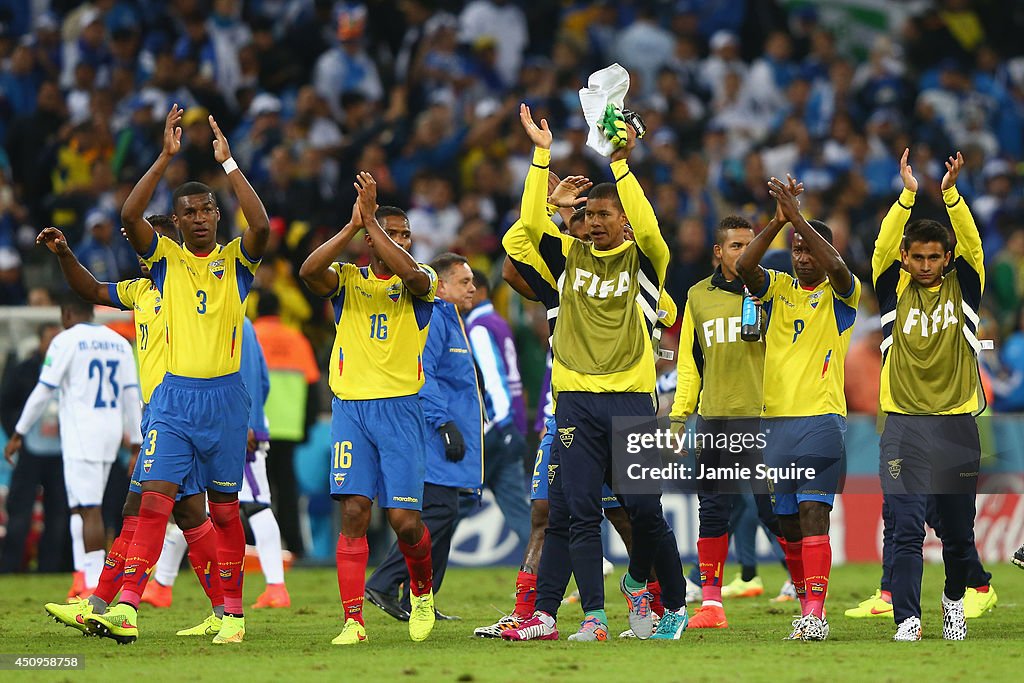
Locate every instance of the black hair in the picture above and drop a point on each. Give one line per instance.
(927, 230)
(73, 303)
(821, 229)
(605, 191)
(728, 223)
(190, 188)
(161, 221)
(577, 215)
(385, 211)
(443, 263)
(480, 281)
(267, 304)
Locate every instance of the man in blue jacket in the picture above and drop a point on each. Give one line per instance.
(453, 409)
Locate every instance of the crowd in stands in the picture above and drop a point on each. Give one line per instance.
(423, 94)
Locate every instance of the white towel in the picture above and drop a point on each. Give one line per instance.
(604, 87)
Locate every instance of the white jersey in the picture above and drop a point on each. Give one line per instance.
(93, 368)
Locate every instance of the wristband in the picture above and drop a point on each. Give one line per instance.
(230, 165)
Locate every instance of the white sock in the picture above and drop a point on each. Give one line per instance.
(78, 542)
(711, 603)
(268, 544)
(93, 566)
(947, 601)
(173, 551)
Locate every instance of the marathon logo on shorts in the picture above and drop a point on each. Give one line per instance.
(404, 499)
(895, 468)
(551, 474)
(394, 292)
(565, 434)
(217, 268)
(224, 483)
(147, 465)
(339, 478)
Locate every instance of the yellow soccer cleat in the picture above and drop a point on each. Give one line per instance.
(421, 618)
(232, 630)
(874, 606)
(120, 623)
(72, 614)
(738, 588)
(209, 627)
(353, 634)
(977, 603)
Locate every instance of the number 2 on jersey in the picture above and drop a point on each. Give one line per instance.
(379, 326)
(96, 368)
(342, 455)
(143, 336)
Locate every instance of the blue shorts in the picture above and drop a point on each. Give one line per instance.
(197, 425)
(378, 450)
(193, 482)
(542, 478)
(797, 445)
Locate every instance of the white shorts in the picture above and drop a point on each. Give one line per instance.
(85, 481)
(255, 485)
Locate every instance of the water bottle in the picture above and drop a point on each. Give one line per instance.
(750, 322)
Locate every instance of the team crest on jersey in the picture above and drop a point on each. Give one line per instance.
(394, 292)
(895, 468)
(156, 305)
(551, 474)
(147, 465)
(814, 299)
(217, 268)
(339, 478)
(565, 434)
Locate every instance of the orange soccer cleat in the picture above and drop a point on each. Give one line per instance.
(78, 589)
(276, 595)
(157, 594)
(709, 616)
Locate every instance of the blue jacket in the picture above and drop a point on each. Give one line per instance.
(450, 393)
(257, 380)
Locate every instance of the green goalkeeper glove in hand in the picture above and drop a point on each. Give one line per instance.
(613, 126)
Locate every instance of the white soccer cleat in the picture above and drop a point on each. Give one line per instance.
(909, 630)
(797, 630)
(509, 621)
(954, 623)
(628, 633)
(813, 628)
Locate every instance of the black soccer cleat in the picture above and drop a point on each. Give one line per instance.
(388, 603)
(1018, 557)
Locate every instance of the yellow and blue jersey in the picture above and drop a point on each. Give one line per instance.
(143, 298)
(204, 300)
(381, 330)
(805, 346)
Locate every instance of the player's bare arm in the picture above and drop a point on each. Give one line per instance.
(823, 252)
(257, 234)
(138, 230)
(510, 275)
(78, 277)
(748, 267)
(395, 257)
(316, 270)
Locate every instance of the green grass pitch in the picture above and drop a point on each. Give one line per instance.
(295, 644)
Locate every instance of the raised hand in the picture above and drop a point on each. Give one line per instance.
(907, 173)
(566, 194)
(796, 189)
(623, 152)
(221, 151)
(357, 217)
(540, 137)
(953, 166)
(366, 187)
(172, 131)
(54, 240)
(785, 199)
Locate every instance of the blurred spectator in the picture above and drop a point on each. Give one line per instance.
(503, 24)
(107, 258)
(12, 289)
(347, 67)
(864, 369)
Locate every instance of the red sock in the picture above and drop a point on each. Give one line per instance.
(795, 564)
(113, 566)
(887, 596)
(980, 589)
(817, 565)
(417, 559)
(202, 555)
(654, 588)
(352, 555)
(147, 542)
(230, 553)
(526, 594)
(711, 553)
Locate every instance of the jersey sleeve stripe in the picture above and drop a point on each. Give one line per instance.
(114, 298)
(48, 385)
(845, 314)
(245, 254)
(338, 304)
(243, 278)
(151, 249)
(767, 283)
(550, 249)
(853, 288)
(422, 310)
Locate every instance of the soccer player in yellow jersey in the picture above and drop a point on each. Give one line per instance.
(382, 313)
(199, 412)
(141, 296)
(929, 294)
(810, 319)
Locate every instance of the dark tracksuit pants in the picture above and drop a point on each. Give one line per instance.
(929, 457)
(441, 516)
(30, 472)
(582, 459)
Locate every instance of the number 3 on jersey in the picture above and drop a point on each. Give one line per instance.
(342, 455)
(201, 295)
(379, 326)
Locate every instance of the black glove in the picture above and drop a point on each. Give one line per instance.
(454, 444)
